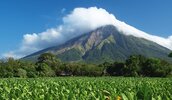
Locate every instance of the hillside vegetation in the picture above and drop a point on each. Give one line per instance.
(48, 65)
(104, 44)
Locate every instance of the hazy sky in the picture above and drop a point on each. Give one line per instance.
(20, 17)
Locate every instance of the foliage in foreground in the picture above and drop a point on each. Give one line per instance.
(83, 88)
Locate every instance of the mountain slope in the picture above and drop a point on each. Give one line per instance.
(104, 44)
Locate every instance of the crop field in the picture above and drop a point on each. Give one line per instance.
(85, 88)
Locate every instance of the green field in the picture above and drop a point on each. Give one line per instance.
(85, 88)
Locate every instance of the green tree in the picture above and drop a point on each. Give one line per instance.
(156, 68)
(104, 67)
(132, 66)
(10, 67)
(45, 57)
(47, 64)
(29, 67)
(21, 73)
(44, 70)
(170, 54)
(116, 69)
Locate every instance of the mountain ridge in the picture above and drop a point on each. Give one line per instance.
(104, 43)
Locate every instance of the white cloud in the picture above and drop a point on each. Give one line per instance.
(130, 30)
(80, 21)
(11, 54)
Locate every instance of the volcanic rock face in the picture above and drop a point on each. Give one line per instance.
(104, 44)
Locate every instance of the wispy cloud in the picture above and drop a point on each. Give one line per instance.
(80, 21)
(63, 10)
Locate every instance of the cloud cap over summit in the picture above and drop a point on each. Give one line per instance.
(80, 21)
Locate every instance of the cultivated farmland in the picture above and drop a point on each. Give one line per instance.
(86, 88)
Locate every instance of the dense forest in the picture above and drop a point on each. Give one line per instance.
(47, 65)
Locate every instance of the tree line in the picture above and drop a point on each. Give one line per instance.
(48, 65)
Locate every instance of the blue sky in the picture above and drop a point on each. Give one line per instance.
(19, 17)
